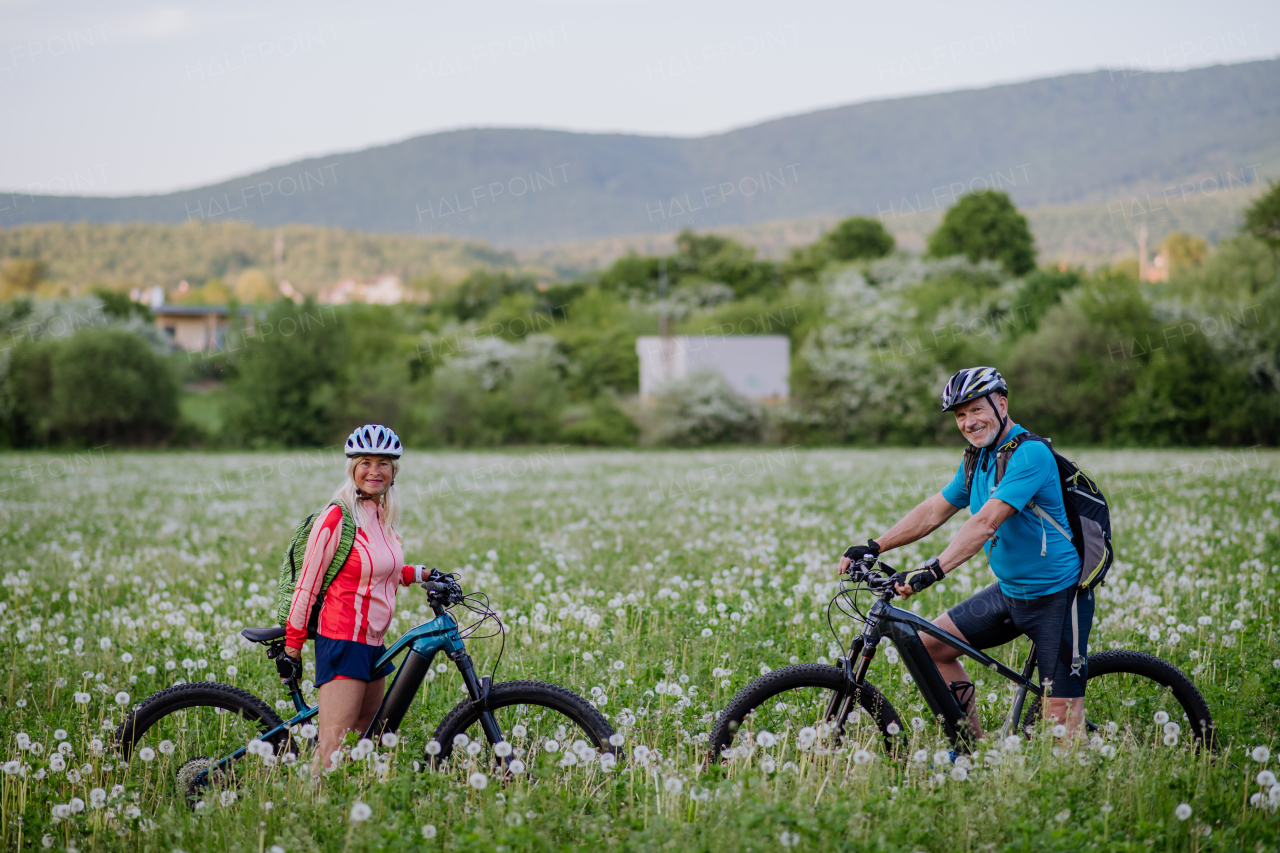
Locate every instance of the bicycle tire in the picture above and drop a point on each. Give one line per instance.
(512, 694)
(198, 694)
(1144, 666)
(825, 679)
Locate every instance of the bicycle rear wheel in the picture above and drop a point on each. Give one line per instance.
(182, 730)
(541, 722)
(1126, 693)
(778, 707)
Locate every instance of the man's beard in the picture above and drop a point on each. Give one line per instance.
(976, 438)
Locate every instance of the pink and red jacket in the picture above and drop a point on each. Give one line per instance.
(361, 600)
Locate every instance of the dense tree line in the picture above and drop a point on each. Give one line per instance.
(1092, 357)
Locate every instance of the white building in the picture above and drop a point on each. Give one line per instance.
(755, 366)
(379, 290)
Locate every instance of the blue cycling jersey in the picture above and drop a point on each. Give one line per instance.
(1014, 552)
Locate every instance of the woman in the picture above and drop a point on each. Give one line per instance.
(361, 599)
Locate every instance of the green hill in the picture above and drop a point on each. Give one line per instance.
(1068, 140)
(142, 255)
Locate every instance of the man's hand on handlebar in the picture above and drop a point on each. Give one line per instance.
(861, 553)
(908, 583)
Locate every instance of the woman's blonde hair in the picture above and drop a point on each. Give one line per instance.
(349, 495)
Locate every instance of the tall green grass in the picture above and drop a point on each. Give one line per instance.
(608, 569)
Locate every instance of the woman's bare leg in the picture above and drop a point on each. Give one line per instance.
(369, 705)
(341, 702)
(346, 705)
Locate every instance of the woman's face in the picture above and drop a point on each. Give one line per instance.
(373, 475)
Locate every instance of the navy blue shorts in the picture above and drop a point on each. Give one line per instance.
(348, 659)
(990, 618)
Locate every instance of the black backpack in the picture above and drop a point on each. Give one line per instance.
(1088, 516)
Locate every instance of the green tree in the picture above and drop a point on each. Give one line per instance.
(1262, 219)
(857, 237)
(21, 277)
(253, 286)
(119, 305)
(711, 257)
(291, 386)
(99, 386)
(1183, 251)
(482, 289)
(986, 225)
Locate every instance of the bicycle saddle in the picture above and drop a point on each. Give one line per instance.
(263, 635)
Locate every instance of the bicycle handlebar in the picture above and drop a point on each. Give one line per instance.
(878, 576)
(443, 589)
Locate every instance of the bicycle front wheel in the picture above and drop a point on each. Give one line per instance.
(183, 730)
(800, 705)
(1141, 697)
(540, 722)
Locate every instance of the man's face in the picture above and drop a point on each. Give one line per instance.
(978, 421)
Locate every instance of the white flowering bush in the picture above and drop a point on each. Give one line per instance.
(654, 584)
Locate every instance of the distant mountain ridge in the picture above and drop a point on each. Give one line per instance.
(1089, 137)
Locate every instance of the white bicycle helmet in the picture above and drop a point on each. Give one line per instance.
(374, 440)
(970, 383)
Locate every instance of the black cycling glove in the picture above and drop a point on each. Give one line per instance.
(925, 576)
(857, 553)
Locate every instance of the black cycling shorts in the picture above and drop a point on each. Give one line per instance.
(990, 618)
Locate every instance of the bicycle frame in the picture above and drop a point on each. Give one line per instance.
(903, 629)
(423, 643)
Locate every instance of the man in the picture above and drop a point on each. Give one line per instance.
(1036, 569)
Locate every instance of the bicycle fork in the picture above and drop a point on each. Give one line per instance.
(478, 689)
(1015, 713)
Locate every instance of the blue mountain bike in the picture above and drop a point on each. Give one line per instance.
(201, 729)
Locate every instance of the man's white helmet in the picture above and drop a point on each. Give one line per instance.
(972, 383)
(374, 440)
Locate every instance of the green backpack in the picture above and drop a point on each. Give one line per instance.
(291, 567)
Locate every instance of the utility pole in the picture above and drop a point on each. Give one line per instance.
(279, 253)
(663, 330)
(1142, 252)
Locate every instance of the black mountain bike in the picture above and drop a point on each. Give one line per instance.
(1127, 690)
(202, 728)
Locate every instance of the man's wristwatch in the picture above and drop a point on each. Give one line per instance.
(925, 576)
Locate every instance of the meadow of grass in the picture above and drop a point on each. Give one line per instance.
(655, 584)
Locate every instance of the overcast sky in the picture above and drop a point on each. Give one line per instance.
(108, 99)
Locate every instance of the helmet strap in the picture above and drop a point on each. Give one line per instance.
(366, 497)
(1004, 423)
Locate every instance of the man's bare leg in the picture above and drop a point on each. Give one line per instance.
(1070, 712)
(947, 660)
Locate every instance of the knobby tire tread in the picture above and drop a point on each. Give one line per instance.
(1156, 669)
(770, 685)
(195, 694)
(551, 696)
